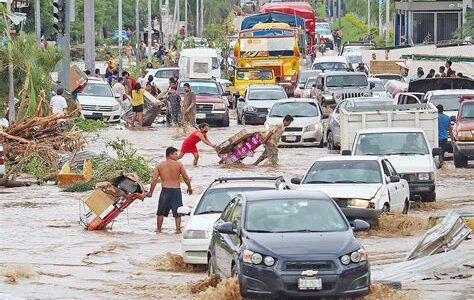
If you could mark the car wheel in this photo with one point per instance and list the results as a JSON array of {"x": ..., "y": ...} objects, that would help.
[
  {"x": 235, "y": 275},
  {"x": 331, "y": 145},
  {"x": 406, "y": 207},
  {"x": 238, "y": 118},
  {"x": 321, "y": 143},
  {"x": 226, "y": 121},
  {"x": 429, "y": 197},
  {"x": 460, "y": 161},
  {"x": 386, "y": 208},
  {"x": 211, "y": 269}
]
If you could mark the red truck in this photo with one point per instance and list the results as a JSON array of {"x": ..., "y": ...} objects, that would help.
[
  {"x": 300, "y": 9},
  {"x": 463, "y": 133}
]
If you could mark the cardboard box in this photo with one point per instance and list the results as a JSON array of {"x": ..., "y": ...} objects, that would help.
[
  {"x": 77, "y": 78},
  {"x": 98, "y": 201},
  {"x": 228, "y": 144}
]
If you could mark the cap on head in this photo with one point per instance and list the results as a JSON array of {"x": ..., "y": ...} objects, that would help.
[{"x": 59, "y": 91}]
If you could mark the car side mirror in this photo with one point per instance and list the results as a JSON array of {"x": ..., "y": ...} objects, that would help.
[
  {"x": 184, "y": 211},
  {"x": 296, "y": 180},
  {"x": 241, "y": 99},
  {"x": 360, "y": 225},
  {"x": 394, "y": 178},
  {"x": 226, "y": 228},
  {"x": 372, "y": 85},
  {"x": 436, "y": 151},
  {"x": 346, "y": 152},
  {"x": 226, "y": 94}
]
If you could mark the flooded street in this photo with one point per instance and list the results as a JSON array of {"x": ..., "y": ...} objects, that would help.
[{"x": 46, "y": 254}]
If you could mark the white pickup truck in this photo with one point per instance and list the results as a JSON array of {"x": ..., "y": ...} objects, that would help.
[{"x": 409, "y": 149}]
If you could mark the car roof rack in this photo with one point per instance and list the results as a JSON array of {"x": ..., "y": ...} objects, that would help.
[{"x": 277, "y": 179}]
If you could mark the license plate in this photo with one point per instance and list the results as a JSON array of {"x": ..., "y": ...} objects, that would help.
[
  {"x": 97, "y": 115},
  {"x": 310, "y": 284},
  {"x": 200, "y": 116},
  {"x": 423, "y": 188},
  {"x": 291, "y": 138}
]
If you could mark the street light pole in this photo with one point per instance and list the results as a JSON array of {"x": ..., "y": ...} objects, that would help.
[
  {"x": 380, "y": 18},
  {"x": 149, "y": 30},
  {"x": 368, "y": 17},
  {"x": 120, "y": 35},
  {"x": 339, "y": 13},
  {"x": 201, "y": 26},
  {"x": 137, "y": 32},
  {"x": 387, "y": 21},
  {"x": 38, "y": 21},
  {"x": 186, "y": 18},
  {"x": 89, "y": 35},
  {"x": 197, "y": 18}
]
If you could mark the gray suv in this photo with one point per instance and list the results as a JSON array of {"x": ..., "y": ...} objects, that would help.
[{"x": 336, "y": 86}]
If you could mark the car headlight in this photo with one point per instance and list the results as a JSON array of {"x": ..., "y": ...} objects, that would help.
[
  {"x": 424, "y": 176},
  {"x": 115, "y": 107},
  {"x": 464, "y": 134},
  {"x": 288, "y": 78},
  {"x": 354, "y": 257},
  {"x": 250, "y": 108},
  {"x": 256, "y": 258},
  {"x": 359, "y": 203},
  {"x": 219, "y": 106},
  {"x": 311, "y": 127},
  {"x": 195, "y": 234}
]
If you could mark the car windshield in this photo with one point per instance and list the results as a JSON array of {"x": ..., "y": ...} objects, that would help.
[
  {"x": 467, "y": 111},
  {"x": 215, "y": 200},
  {"x": 293, "y": 215},
  {"x": 305, "y": 75},
  {"x": 354, "y": 59},
  {"x": 167, "y": 73},
  {"x": 344, "y": 171},
  {"x": 249, "y": 74},
  {"x": 295, "y": 109},
  {"x": 310, "y": 83},
  {"x": 378, "y": 86},
  {"x": 346, "y": 80},
  {"x": 391, "y": 143},
  {"x": 200, "y": 88},
  {"x": 97, "y": 90},
  {"x": 330, "y": 66},
  {"x": 266, "y": 94},
  {"x": 449, "y": 102}
]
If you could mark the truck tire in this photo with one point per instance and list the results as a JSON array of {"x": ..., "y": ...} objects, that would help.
[
  {"x": 226, "y": 121},
  {"x": 460, "y": 161},
  {"x": 371, "y": 216},
  {"x": 406, "y": 207},
  {"x": 428, "y": 197}
]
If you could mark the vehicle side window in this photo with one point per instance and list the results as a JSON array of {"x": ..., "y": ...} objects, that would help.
[
  {"x": 228, "y": 209},
  {"x": 386, "y": 171},
  {"x": 391, "y": 168},
  {"x": 235, "y": 216}
]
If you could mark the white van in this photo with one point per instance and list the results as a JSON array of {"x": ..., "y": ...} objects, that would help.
[{"x": 189, "y": 57}]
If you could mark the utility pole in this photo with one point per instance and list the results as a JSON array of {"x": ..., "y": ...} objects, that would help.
[
  {"x": 368, "y": 17},
  {"x": 137, "y": 32},
  {"x": 149, "y": 30},
  {"x": 89, "y": 35},
  {"x": 11, "y": 89},
  {"x": 197, "y": 18},
  {"x": 120, "y": 38},
  {"x": 380, "y": 18},
  {"x": 387, "y": 22},
  {"x": 339, "y": 12},
  {"x": 38, "y": 21},
  {"x": 201, "y": 26},
  {"x": 186, "y": 18}
]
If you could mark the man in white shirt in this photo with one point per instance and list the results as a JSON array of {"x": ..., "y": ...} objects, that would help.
[
  {"x": 119, "y": 89},
  {"x": 58, "y": 103},
  {"x": 143, "y": 79}
]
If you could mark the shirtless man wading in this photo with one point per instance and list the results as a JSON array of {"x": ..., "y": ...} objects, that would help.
[{"x": 170, "y": 197}]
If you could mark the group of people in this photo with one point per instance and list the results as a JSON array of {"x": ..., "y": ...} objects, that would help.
[
  {"x": 443, "y": 71},
  {"x": 171, "y": 170}
]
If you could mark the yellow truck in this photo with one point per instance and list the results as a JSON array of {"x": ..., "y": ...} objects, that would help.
[
  {"x": 271, "y": 47},
  {"x": 243, "y": 77}
]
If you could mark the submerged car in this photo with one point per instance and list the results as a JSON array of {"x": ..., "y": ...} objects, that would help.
[
  {"x": 198, "y": 229},
  {"x": 289, "y": 244},
  {"x": 307, "y": 127}
]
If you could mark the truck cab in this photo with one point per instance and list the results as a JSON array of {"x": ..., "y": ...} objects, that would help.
[
  {"x": 408, "y": 150},
  {"x": 463, "y": 133}
]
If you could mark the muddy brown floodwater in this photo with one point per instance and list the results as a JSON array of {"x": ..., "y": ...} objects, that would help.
[{"x": 45, "y": 254}]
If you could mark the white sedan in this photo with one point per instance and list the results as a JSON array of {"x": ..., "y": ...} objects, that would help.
[
  {"x": 307, "y": 127},
  {"x": 98, "y": 101},
  {"x": 358, "y": 181},
  {"x": 162, "y": 76}
]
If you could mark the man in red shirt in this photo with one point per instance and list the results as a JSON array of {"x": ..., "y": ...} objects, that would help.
[
  {"x": 131, "y": 81},
  {"x": 189, "y": 144}
]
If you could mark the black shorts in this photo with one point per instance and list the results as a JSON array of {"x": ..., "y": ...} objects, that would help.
[
  {"x": 138, "y": 108},
  {"x": 170, "y": 199}
]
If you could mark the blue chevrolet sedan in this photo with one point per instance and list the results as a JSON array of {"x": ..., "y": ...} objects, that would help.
[{"x": 289, "y": 244}]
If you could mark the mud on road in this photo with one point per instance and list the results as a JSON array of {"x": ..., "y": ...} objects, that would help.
[{"x": 45, "y": 254}]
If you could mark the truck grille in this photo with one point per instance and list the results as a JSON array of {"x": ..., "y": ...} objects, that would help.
[
  {"x": 312, "y": 265},
  {"x": 408, "y": 177},
  {"x": 341, "y": 202},
  {"x": 204, "y": 107},
  {"x": 96, "y": 108},
  {"x": 351, "y": 95}
]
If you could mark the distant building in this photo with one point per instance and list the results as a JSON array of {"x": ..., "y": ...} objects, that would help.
[{"x": 426, "y": 21}]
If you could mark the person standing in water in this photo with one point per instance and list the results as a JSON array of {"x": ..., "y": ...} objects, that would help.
[{"x": 189, "y": 144}]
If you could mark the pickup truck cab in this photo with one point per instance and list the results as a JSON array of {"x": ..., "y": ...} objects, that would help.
[
  {"x": 211, "y": 106},
  {"x": 336, "y": 86},
  {"x": 408, "y": 150},
  {"x": 463, "y": 133}
]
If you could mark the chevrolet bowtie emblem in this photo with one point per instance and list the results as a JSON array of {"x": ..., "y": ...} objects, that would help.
[{"x": 309, "y": 272}]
